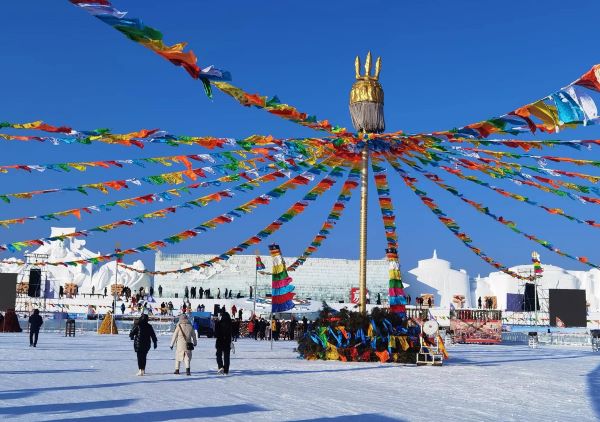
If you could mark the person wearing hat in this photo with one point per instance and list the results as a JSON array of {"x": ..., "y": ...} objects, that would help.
[
  {"x": 184, "y": 338},
  {"x": 141, "y": 334}
]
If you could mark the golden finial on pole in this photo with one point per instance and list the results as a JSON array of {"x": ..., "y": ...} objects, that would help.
[
  {"x": 368, "y": 65},
  {"x": 377, "y": 68},
  {"x": 366, "y": 98},
  {"x": 366, "y": 110}
]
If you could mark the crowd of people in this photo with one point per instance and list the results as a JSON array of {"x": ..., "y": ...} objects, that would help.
[
  {"x": 261, "y": 329},
  {"x": 201, "y": 293}
]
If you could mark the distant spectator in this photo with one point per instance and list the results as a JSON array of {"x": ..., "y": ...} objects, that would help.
[{"x": 35, "y": 323}]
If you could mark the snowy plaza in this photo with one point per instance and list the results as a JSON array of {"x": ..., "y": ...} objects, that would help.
[
  {"x": 300, "y": 211},
  {"x": 92, "y": 378}
]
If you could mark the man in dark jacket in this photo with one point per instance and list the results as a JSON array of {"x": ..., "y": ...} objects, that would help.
[
  {"x": 141, "y": 334},
  {"x": 223, "y": 332},
  {"x": 35, "y": 322}
]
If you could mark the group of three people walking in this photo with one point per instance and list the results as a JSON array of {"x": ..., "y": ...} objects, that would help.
[{"x": 183, "y": 341}]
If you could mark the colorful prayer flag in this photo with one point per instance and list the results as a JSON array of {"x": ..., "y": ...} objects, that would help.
[
  {"x": 259, "y": 264},
  {"x": 282, "y": 289}
]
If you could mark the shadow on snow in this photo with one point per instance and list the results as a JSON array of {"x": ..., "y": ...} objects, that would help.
[
  {"x": 354, "y": 418},
  {"x": 175, "y": 414},
  {"x": 593, "y": 381},
  {"x": 64, "y": 407}
]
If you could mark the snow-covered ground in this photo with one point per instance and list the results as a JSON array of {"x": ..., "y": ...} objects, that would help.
[{"x": 91, "y": 378}]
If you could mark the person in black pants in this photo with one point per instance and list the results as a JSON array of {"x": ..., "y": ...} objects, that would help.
[
  {"x": 223, "y": 332},
  {"x": 141, "y": 334},
  {"x": 35, "y": 322}
]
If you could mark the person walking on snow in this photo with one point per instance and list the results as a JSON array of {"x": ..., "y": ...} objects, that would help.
[
  {"x": 35, "y": 323},
  {"x": 141, "y": 334},
  {"x": 223, "y": 332},
  {"x": 183, "y": 336}
]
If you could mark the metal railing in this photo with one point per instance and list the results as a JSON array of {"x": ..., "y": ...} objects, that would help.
[
  {"x": 555, "y": 339},
  {"x": 161, "y": 325}
]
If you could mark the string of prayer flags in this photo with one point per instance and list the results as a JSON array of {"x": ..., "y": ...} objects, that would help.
[
  {"x": 137, "y": 31},
  {"x": 172, "y": 178},
  {"x": 451, "y": 224},
  {"x": 504, "y": 221},
  {"x": 296, "y": 209},
  {"x": 167, "y": 161},
  {"x": 200, "y": 202},
  {"x": 151, "y": 38},
  {"x": 397, "y": 299},
  {"x": 335, "y": 214},
  {"x": 517, "y": 197},
  {"x": 167, "y": 195}
]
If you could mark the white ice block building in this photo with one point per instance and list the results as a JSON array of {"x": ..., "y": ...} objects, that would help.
[
  {"x": 318, "y": 279},
  {"x": 436, "y": 276},
  {"x": 84, "y": 276}
]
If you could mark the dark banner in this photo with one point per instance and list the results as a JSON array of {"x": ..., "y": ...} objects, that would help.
[
  {"x": 568, "y": 308},
  {"x": 8, "y": 291}
]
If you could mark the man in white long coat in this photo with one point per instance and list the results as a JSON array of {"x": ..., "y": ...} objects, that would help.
[{"x": 184, "y": 333}]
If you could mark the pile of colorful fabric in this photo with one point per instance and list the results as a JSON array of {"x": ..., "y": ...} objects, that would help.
[{"x": 381, "y": 336}]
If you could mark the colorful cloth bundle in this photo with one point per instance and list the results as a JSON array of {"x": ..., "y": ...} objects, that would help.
[
  {"x": 537, "y": 265},
  {"x": 348, "y": 336},
  {"x": 396, "y": 288},
  {"x": 282, "y": 287}
]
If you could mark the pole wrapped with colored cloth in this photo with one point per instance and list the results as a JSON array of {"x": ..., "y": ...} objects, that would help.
[{"x": 282, "y": 289}]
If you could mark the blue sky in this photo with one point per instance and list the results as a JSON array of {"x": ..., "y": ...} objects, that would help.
[{"x": 445, "y": 64}]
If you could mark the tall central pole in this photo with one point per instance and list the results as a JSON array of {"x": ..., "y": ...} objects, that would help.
[
  {"x": 366, "y": 110},
  {"x": 364, "y": 195}
]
